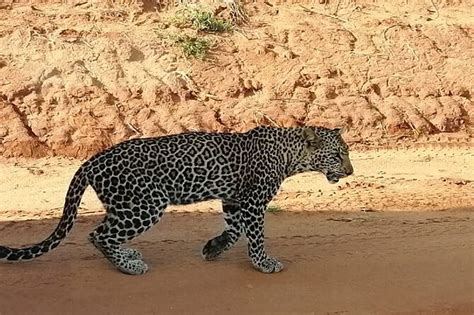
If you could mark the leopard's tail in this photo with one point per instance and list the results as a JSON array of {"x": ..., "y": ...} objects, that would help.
[{"x": 74, "y": 194}]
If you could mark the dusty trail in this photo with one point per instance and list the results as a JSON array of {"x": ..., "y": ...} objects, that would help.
[{"x": 336, "y": 263}]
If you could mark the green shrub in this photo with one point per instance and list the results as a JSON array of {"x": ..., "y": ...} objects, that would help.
[
  {"x": 193, "y": 46},
  {"x": 201, "y": 20}
]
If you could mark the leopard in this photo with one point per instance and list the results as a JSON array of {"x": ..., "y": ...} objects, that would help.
[{"x": 137, "y": 179}]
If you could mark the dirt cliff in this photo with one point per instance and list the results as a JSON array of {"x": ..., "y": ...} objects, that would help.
[{"x": 76, "y": 77}]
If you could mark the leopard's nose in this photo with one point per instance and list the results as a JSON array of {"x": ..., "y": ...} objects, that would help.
[{"x": 349, "y": 170}]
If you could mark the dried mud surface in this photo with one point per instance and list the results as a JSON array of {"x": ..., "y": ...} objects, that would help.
[{"x": 76, "y": 77}]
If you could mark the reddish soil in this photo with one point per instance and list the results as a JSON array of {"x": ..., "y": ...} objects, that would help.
[
  {"x": 336, "y": 263},
  {"x": 77, "y": 77},
  {"x": 395, "y": 238}
]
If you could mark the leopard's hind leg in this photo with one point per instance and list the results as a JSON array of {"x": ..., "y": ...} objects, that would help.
[{"x": 122, "y": 224}]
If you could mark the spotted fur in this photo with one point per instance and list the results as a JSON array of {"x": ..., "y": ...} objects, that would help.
[{"x": 137, "y": 179}]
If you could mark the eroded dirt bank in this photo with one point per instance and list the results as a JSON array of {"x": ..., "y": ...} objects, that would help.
[{"x": 79, "y": 76}]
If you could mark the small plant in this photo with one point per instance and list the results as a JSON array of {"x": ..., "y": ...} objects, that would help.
[
  {"x": 193, "y": 46},
  {"x": 238, "y": 14},
  {"x": 273, "y": 209},
  {"x": 201, "y": 20},
  {"x": 207, "y": 22}
]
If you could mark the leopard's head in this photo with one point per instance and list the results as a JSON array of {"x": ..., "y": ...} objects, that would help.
[{"x": 326, "y": 152}]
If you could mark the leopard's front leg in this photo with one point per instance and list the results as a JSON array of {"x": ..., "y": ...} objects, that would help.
[{"x": 253, "y": 222}]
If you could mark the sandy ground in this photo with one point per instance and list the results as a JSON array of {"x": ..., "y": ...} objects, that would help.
[
  {"x": 344, "y": 252},
  {"x": 336, "y": 263},
  {"x": 395, "y": 238},
  {"x": 422, "y": 179}
]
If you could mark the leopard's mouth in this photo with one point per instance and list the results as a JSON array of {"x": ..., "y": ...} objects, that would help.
[{"x": 333, "y": 178}]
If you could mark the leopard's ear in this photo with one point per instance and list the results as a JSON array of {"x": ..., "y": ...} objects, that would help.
[
  {"x": 341, "y": 130},
  {"x": 311, "y": 138}
]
